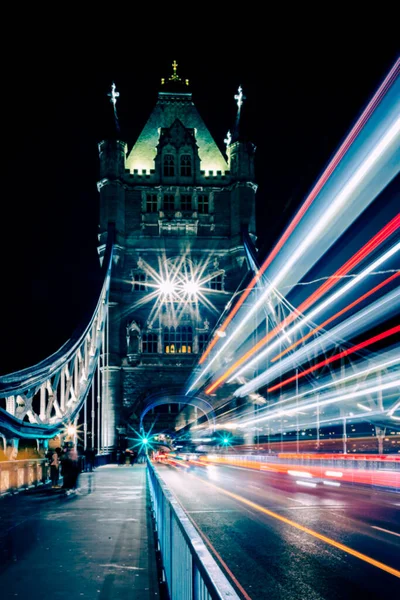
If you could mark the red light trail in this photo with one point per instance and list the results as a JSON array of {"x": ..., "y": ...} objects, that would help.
[
  {"x": 376, "y": 99},
  {"x": 327, "y": 361},
  {"x": 336, "y": 315},
  {"x": 371, "y": 245}
]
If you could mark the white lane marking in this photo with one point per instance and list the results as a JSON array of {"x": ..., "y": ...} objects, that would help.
[
  {"x": 123, "y": 567},
  {"x": 294, "y": 500},
  {"x": 191, "y": 512},
  {"x": 117, "y": 519},
  {"x": 331, "y": 508},
  {"x": 385, "y": 530}
]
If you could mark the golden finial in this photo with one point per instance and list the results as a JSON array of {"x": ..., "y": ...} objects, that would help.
[{"x": 174, "y": 76}]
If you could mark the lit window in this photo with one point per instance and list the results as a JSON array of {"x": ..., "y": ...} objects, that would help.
[
  {"x": 216, "y": 282},
  {"x": 186, "y": 202},
  {"x": 202, "y": 204},
  {"x": 203, "y": 338},
  {"x": 151, "y": 203},
  {"x": 169, "y": 202},
  {"x": 139, "y": 282},
  {"x": 178, "y": 340},
  {"x": 169, "y": 165},
  {"x": 186, "y": 165},
  {"x": 149, "y": 343}
]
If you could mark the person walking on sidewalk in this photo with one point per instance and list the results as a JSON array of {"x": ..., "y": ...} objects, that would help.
[{"x": 54, "y": 469}]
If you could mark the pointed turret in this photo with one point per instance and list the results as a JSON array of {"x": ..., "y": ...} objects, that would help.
[
  {"x": 112, "y": 154},
  {"x": 241, "y": 163}
]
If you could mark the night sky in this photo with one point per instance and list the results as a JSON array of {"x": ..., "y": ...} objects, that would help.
[{"x": 300, "y": 104}]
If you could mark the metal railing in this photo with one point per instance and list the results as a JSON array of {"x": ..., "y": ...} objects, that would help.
[
  {"x": 190, "y": 571},
  {"x": 52, "y": 393}
]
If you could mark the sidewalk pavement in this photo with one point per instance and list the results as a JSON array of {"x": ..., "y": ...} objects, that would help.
[{"x": 97, "y": 544}]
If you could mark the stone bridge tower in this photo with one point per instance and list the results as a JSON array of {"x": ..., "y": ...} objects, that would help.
[{"x": 178, "y": 205}]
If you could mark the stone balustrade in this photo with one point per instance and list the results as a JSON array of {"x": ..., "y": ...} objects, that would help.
[{"x": 18, "y": 475}]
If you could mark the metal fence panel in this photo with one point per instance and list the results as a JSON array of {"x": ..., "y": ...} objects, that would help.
[{"x": 191, "y": 573}]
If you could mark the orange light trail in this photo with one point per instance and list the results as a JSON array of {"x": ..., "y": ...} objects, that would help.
[
  {"x": 371, "y": 245},
  {"x": 386, "y": 84},
  {"x": 311, "y": 532},
  {"x": 335, "y": 316},
  {"x": 376, "y": 338}
]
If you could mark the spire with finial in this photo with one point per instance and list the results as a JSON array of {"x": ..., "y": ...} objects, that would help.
[
  {"x": 114, "y": 95},
  {"x": 175, "y": 77},
  {"x": 239, "y": 97}
]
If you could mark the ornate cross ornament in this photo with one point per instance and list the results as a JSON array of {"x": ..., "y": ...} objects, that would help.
[
  {"x": 174, "y": 76},
  {"x": 240, "y": 97},
  {"x": 113, "y": 95}
]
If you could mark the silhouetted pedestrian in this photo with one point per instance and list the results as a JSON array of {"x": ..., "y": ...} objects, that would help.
[{"x": 54, "y": 469}]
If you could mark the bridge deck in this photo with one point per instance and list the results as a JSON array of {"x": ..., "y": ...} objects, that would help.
[{"x": 95, "y": 544}]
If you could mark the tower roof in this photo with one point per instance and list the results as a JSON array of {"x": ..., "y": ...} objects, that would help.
[{"x": 175, "y": 102}]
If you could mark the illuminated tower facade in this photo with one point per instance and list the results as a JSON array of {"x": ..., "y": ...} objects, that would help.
[{"x": 179, "y": 205}]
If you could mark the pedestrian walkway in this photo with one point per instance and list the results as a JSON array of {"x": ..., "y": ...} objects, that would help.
[{"x": 97, "y": 544}]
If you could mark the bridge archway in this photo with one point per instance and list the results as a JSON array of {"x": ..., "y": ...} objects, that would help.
[{"x": 160, "y": 399}]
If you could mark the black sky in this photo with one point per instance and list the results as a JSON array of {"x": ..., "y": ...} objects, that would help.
[{"x": 301, "y": 102}]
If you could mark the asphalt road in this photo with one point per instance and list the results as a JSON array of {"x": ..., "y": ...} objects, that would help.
[{"x": 282, "y": 540}]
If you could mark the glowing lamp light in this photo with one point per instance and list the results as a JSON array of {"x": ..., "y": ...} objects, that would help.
[
  {"x": 145, "y": 441},
  {"x": 191, "y": 287},
  {"x": 166, "y": 287},
  {"x": 71, "y": 430}
]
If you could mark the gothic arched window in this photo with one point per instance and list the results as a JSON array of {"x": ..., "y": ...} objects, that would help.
[
  {"x": 150, "y": 343},
  {"x": 216, "y": 283},
  {"x": 186, "y": 165},
  {"x": 139, "y": 282},
  {"x": 203, "y": 339},
  {"x": 169, "y": 165},
  {"x": 186, "y": 202},
  {"x": 178, "y": 340},
  {"x": 203, "y": 204},
  {"x": 169, "y": 202}
]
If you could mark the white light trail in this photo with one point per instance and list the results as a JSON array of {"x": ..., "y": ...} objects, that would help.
[
  {"x": 361, "y": 373},
  {"x": 332, "y": 483},
  {"x": 343, "y": 290},
  {"x": 327, "y": 216},
  {"x": 364, "y": 407},
  {"x": 360, "y": 321},
  {"x": 334, "y": 473},
  {"x": 350, "y": 396},
  {"x": 307, "y": 483},
  {"x": 300, "y": 474}
]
